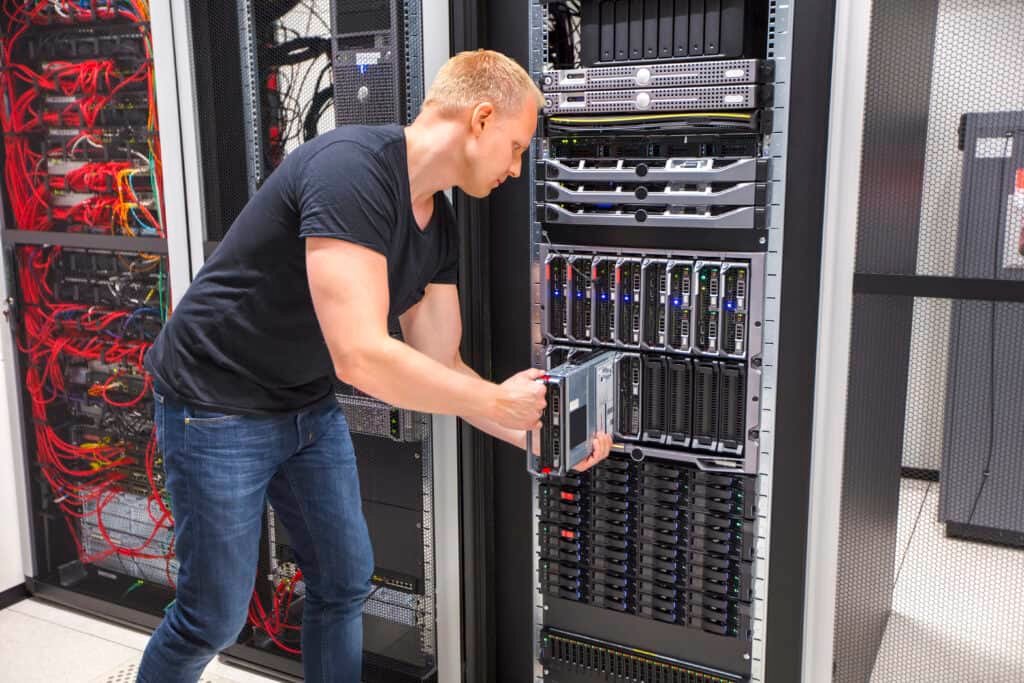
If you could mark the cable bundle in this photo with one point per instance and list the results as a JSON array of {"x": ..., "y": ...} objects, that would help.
[
  {"x": 85, "y": 477},
  {"x": 78, "y": 95},
  {"x": 275, "y": 624},
  {"x": 82, "y": 154}
]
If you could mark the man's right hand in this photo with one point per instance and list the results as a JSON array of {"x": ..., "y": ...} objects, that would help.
[{"x": 520, "y": 401}]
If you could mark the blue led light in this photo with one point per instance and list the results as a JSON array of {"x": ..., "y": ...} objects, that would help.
[
  {"x": 730, "y": 304},
  {"x": 625, "y": 297},
  {"x": 555, "y": 292},
  {"x": 579, "y": 295},
  {"x": 362, "y": 68},
  {"x": 603, "y": 296},
  {"x": 677, "y": 302}
]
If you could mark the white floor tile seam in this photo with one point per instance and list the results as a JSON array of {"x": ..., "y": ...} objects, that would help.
[{"x": 90, "y": 633}]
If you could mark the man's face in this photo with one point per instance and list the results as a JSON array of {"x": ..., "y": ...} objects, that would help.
[{"x": 496, "y": 146}]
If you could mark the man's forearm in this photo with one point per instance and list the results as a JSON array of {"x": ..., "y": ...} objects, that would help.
[
  {"x": 516, "y": 437},
  {"x": 402, "y": 376}
]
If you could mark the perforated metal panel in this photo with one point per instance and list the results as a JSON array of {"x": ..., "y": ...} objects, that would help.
[
  {"x": 929, "y": 359},
  {"x": 264, "y": 86},
  {"x": 976, "y": 68},
  {"x": 929, "y": 567},
  {"x": 932, "y": 62}
]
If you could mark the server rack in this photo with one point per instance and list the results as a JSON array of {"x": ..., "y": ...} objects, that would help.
[
  {"x": 626, "y": 226},
  {"x": 371, "y": 59},
  {"x": 95, "y": 254},
  {"x": 656, "y": 550},
  {"x": 977, "y": 499}
]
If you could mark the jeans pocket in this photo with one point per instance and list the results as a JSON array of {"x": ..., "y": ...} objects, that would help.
[{"x": 194, "y": 415}]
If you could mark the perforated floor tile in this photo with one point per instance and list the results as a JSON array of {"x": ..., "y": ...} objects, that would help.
[{"x": 126, "y": 671}]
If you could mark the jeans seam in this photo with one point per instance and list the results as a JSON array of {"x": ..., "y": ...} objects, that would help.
[
  {"x": 196, "y": 532},
  {"x": 316, "y": 557}
]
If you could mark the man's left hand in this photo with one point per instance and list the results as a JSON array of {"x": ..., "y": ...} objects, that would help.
[{"x": 602, "y": 445}]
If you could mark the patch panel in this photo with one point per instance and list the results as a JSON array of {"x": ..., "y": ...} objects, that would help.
[{"x": 73, "y": 43}]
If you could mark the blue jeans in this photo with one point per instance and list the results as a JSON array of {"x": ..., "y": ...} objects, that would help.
[{"x": 220, "y": 471}]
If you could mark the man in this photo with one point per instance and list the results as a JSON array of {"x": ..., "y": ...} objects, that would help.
[{"x": 351, "y": 229}]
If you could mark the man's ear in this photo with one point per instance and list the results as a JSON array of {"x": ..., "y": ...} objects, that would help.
[{"x": 483, "y": 114}]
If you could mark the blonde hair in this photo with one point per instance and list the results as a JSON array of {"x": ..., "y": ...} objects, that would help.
[{"x": 469, "y": 78}]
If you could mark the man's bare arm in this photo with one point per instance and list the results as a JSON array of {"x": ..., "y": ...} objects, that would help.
[
  {"x": 434, "y": 326},
  {"x": 349, "y": 287}
]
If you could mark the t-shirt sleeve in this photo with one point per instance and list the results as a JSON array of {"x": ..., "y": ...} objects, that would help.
[
  {"x": 448, "y": 274},
  {"x": 344, "y": 191}
]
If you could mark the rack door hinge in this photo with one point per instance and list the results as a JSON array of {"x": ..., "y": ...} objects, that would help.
[{"x": 8, "y": 311}]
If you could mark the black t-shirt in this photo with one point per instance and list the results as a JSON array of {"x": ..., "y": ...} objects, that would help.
[{"x": 245, "y": 338}]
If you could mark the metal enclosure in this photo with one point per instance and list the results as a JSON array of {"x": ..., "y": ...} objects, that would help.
[
  {"x": 922, "y": 236},
  {"x": 84, "y": 459},
  {"x": 788, "y": 235}
]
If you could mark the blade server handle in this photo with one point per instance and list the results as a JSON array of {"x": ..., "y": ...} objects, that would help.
[{"x": 533, "y": 459}]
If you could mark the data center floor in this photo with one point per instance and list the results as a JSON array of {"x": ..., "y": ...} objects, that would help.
[
  {"x": 42, "y": 643},
  {"x": 954, "y": 618},
  {"x": 958, "y": 606}
]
